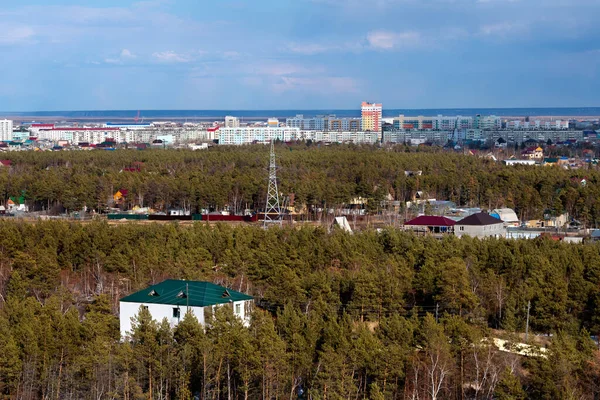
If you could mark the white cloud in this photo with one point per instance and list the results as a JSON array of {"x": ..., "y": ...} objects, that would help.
[
  {"x": 125, "y": 53},
  {"x": 387, "y": 40},
  {"x": 308, "y": 48},
  {"x": 317, "y": 84},
  {"x": 171, "y": 56},
  {"x": 502, "y": 29},
  {"x": 16, "y": 35}
]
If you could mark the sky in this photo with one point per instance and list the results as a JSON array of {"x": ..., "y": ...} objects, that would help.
[{"x": 298, "y": 54}]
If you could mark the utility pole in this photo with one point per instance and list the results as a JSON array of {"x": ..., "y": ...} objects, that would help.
[
  {"x": 527, "y": 323},
  {"x": 272, "y": 206}
]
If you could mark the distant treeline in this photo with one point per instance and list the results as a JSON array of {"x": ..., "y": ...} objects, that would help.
[
  {"x": 317, "y": 176},
  {"x": 341, "y": 316}
]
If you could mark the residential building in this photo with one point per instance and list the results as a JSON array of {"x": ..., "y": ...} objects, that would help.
[
  {"x": 6, "y": 130},
  {"x": 340, "y": 137},
  {"x": 416, "y": 137},
  {"x": 430, "y": 224},
  {"x": 413, "y": 123},
  {"x": 272, "y": 122},
  {"x": 439, "y": 122},
  {"x": 480, "y": 225},
  {"x": 533, "y": 153},
  {"x": 371, "y": 116},
  {"x": 487, "y": 122},
  {"x": 77, "y": 135},
  {"x": 345, "y": 124},
  {"x": 257, "y": 134},
  {"x": 172, "y": 299},
  {"x": 232, "y": 122},
  {"x": 318, "y": 123}
]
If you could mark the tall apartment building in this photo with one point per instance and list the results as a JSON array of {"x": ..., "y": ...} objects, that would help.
[
  {"x": 346, "y": 125},
  {"x": 371, "y": 116},
  {"x": 487, "y": 122},
  {"x": 6, "y": 130},
  {"x": 261, "y": 134},
  {"x": 318, "y": 123},
  {"x": 440, "y": 123},
  {"x": 232, "y": 122}
]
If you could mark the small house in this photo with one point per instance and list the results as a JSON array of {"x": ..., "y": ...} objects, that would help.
[
  {"x": 431, "y": 224},
  {"x": 172, "y": 299},
  {"x": 480, "y": 225}
]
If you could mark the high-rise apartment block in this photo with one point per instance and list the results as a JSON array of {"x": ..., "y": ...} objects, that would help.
[
  {"x": 6, "y": 130},
  {"x": 232, "y": 122},
  {"x": 371, "y": 116},
  {"x": 436, "y": 123},
  {"x": 324, "y": 123}
]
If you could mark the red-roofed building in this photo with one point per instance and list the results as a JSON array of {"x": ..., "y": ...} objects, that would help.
[{"x": 431, "y": 223}]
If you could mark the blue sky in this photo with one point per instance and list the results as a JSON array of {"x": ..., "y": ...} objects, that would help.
[{"x": 263, "y": 54}]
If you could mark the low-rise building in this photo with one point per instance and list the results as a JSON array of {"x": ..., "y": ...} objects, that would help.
[
  {"x": 171, "y": 299},
  {"x": 430, "y": 224},
  {"x": 480, "y": 225},
  {"x": 507, "y": 215}
]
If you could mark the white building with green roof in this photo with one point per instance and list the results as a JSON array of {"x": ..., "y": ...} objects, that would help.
[{"x": 171, "y": 299}]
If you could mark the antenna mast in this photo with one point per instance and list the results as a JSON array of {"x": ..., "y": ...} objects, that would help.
[{"x": 272, "y": 206}]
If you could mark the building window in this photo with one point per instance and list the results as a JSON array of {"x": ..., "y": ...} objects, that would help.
[
  {"x": 238, "y": 309},
  {"x": 176, "y": 312}
]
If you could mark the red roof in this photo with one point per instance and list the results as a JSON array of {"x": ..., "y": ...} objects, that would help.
[
  {"x": 6, "y": 163},
  {"x": 216, "y": 128},
  {"x": 82, "y": 129},
  {"x": 431, "y": 220}
]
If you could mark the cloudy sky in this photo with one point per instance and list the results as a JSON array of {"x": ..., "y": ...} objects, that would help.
[{"x": 284, "y": 54}]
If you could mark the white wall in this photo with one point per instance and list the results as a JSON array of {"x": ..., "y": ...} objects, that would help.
[
  {"x": 6, "y": 129},
  {"x": 495, "y": 230},
  {"x": 128, "y": 310}
]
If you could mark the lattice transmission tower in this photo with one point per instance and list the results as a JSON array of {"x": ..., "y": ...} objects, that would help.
[{"x": 272, "y": 208}]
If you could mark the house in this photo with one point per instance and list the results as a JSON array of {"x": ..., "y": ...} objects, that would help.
[
  {"x": 480, "y": 225},
  {"x": 172, "y": 298},
  {"x": 430, "y": 224},
  {"x": 507, "y": 215},
  {"x": 533, "y": 153}
]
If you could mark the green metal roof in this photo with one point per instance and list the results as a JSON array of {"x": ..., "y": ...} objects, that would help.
[{"x": 186, "y": 293}]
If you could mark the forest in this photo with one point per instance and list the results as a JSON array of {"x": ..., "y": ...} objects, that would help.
[
  {"x": 373, "y": 315},
  {"x": 317, "y": 175}
]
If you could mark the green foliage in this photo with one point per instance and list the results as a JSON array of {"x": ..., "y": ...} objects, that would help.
[
  {"x": 340, "y": 314},
  {"x": 317, "y": 175}
]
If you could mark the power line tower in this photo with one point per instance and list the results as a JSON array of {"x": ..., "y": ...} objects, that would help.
[{"x": 272, "y": 206}]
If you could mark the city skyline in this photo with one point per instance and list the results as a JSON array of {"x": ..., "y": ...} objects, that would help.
[{"x": 319, "y": 54}]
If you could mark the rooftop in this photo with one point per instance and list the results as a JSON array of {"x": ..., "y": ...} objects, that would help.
[
  {"x": 186, "y": 293},
  {"x": 431, "y": 220},
  {"x": 479, "y": 219}
]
